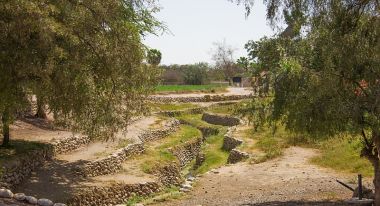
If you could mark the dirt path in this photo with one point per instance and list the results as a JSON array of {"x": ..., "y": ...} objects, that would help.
[
  {"x": 289, "y": 178},
  {"x": 230, "y": 91}
]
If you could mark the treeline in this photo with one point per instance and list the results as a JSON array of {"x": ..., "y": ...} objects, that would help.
[{"x": 196, "y": 74}]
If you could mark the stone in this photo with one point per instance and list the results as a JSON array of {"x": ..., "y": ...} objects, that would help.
[
  {"x": 187, "y": 186},
  {"x": 59, "y": 204},
  {"x": 19, "y": 196},
  {"x": 191, "y": 179},
  {"x": 6, "y": 193},
  {"x": 184, "y": 190},
  {"x": 31, "y": 200}
]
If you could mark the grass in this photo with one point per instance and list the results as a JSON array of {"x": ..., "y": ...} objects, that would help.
[
  {"x": 270, "y": 144},
  {"x": 209, "y": 88},
  {"x": 160, "y": 154},
  {"x": 215, "y": 156},
  {"x": 226, "y": 109},
  {"x": 168, "y": 193},
  {"x": 196, "y": 120},
  {"x": 342, "y": 153},
  {"x": 171, "y": 107}
]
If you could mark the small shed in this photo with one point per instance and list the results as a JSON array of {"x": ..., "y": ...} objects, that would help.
[{"x": 237, "y": 81}]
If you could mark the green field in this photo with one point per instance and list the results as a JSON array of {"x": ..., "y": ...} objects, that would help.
[{"x": 209, "y": 88}]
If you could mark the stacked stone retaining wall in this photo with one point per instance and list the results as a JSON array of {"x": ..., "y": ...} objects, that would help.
[
  {"x": 113, "y": 194},
  {"x": 112, "y": 163},
  {"x": 220, "y": 119},
  {"x": 187, "y": 152}
]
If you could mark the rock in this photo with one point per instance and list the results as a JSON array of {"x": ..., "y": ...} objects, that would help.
[
  {"x": 19, "y": 196},
  {"x": 191, "y": 179},
  {"x": 31, "y": 200},
  {"x": 6, "y": 193},
  {"x": 59, "y": 204},
  {"x": 186, "y": 186},
  {"x": 45, "y": 202},
  {"x": 184, "y": 190}
]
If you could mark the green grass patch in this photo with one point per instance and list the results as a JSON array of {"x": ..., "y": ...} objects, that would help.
[
  {"x": 227, "y": 109},
  {"x": 215, "y": 156},
  {"x": 196, "y": 120},
  {"x": 209, "y": 88},
  {"x": 342, "y": 153},
  {"x": 158, "y": 152},
  {"x": 170, "y": 106}
]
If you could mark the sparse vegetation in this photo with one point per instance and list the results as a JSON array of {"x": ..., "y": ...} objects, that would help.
[{"x": 168, "y": 193}]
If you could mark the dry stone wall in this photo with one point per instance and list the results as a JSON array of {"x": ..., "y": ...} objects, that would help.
[
  {"x": 206, "y": 98},
  {"x": 229, "y": 142},
  {"x": 220, "y": 119},
  {"x": 237, "y": 156},
  {"x": 69, "y": 144},
  {"x": 182, "y": 112},
  {"x": 169, "y": 174},
  {"x": 112, "y": 163},
  {"x": 187, "y": 152},
  {"x": 156, "y": 134},
  {"x": 112, "y": 194}
]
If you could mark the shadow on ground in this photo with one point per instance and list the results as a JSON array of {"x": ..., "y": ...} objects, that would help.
[
  {"x": 56, "y": 180},
  {"x": 299, "y": 203}
]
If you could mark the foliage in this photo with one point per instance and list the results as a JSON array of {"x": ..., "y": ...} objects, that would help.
[
  {"x": 196, "y": 74},
  {"x": 84, "y": 58},
  {"x": 191, "y": 74},
  {"x": 326, "y": 74},
  {"x": 154, "y": 57}
]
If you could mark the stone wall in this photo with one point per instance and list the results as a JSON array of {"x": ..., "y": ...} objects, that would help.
[
  {"x": 229, "y": 142},
  {"x": 69, "y": 144},
  {"x": 169, "y": 174},
  {"x": 175, "y": 113},
  {"x": 206, "y": 131},
  {"x": 112, "y": 163},
  {"x": 220, "y": 119},
  {"x": 187, "y": 152},
  {"x": 15, "y": 171},
  {"x": 205, "y": 98},
  {"x": 237, "y": 156},
  {"x": 156, "y": 134},
  {"x": 113, "y": 194}
]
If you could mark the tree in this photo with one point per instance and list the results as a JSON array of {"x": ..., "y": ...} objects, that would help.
[
  {"x": 84, "y": 57},
  {"x": 224, "y": 60},
  {"x": 326, "y": 79},
  {"x": 196, "y": 74},
  {"x": 154, "y": 57}
]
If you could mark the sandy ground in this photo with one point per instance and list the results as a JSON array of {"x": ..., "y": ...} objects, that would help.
[
  {"x": 289, "y": 180},
  {"x": 230, "y": 91}
]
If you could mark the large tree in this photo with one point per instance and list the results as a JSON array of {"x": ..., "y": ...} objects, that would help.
[
  {"x": 84, "y": 57},
  {"x": 325, "y": 70},
  {"x": 223, "y": 56}
]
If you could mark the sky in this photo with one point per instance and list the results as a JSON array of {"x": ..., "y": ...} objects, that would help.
[{"x": 196, "y": 24}]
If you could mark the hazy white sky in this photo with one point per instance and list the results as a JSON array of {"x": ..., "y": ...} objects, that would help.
[{"x": 196, "y": 24}]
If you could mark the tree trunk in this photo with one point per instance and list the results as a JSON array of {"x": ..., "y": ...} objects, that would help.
[
  {"x": 376, "y": 182},
  {"x": 375, "y": 160},
  {"x": 5, "y": 118},
  {"x": 40, "y": 109}
]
